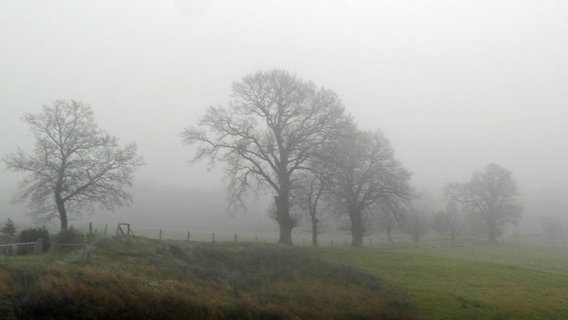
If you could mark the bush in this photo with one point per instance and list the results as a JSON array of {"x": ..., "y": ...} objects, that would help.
[
  {"x": 32, "y": 234},
  {"x": 68, "y": 237}
]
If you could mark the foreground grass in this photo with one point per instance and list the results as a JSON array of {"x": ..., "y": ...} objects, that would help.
[
  {"x": 475, "y": 282},
  {"x": 144, "y": 279}
]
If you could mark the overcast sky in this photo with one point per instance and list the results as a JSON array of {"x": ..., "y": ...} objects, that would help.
[{"x": 454, "y": 85}]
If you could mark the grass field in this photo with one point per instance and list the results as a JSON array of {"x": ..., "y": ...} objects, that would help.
[
  {"x": 151, "y": 279},
  {"x": 501, "y": 281}
]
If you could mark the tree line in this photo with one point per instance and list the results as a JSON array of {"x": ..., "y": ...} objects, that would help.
[{"x": 278, "y": 133}]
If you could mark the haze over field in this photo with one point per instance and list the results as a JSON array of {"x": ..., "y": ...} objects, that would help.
[{"x": 453, "y": 85}]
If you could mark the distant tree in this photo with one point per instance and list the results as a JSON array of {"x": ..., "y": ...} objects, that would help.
[
  {"x": 267, "y": 134},
  {"x": 387, "y": 215},
  {"x": 552, "y": 227},
  {"x": 361, "y": 170},
  {"x": 454, "y": 220},
  {"x": 74, "y": 165},
  {"x": 9, "y": 228},
  {"x": 415, "y": 224},
  {"x": 490, "y": 195},
  {"x": 440, "y": 223},
  {"x": 308, "y": 193}
]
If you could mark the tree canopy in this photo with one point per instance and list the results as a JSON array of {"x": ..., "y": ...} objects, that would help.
[
  {"x": 361, "y": 170},
  {"x": 274, "y": 124},
  {"x": 490, "y": 195},
  {"x": 74, "y": 164}
]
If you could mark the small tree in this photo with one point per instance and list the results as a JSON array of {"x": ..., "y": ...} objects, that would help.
[
  {"x": 490, "y": 195},
  {"x": 387, "y": 216},
  {"x": 415, "y": 224},
  {"x": 307, "y": 196},
  {"x": 552, "y": 227},
  {"x": 440, "y": 223},
  {"x": 74, "y": 164},
  {"x": 454, "y": 220},
  {"x": 9, "y": 228}
]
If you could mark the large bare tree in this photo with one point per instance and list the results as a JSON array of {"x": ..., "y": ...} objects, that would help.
[
  {"x": 362, "y": 170},
  {"x": 491, "y": 196},
  {"x": 267, "y": 133},
  {"x": 74, "y": 165}
]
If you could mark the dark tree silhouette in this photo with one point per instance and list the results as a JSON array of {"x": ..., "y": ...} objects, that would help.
[
  {"x": 9, "y": 228},
  {"x": 361, "y": 170},
  {"x": 74, "y": 164},
  {"x": 491, "y": 196},
  {"x": 308, "y": 193},
  {"x": 267, "y": 134}
]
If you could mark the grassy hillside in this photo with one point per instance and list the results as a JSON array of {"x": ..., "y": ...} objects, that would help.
[
  {"x": 473, "y": 282},
  {"x": 145, "y": 279}
]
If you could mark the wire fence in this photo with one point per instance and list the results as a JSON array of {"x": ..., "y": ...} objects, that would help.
[{"x": 330, "y": 239}]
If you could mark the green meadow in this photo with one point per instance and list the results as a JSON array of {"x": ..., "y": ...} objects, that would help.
[{"x": 501, "y": 281}]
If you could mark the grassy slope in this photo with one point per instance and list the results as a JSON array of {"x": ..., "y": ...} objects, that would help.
[
  {"x": 144, "y": 279},
  {"x": 474, "y": 282}
]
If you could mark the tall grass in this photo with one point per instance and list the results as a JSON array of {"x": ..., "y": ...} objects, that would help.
[{"x": 146, "y": 279}]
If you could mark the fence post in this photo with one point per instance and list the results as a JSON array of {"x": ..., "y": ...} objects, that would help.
[
  {"x": 188, "y": 234},
  {"x": 106, "y": 227},
  {"x": 236, "y": 240},
  {"x": 160, "y": 234},
  {"x": 90, "y": 228}
]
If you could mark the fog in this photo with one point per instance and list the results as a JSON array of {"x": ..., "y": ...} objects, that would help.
[{"x": 454, "y": 85}]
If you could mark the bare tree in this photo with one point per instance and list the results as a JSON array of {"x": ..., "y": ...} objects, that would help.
[
  {"x": 415, "y": 224},
  {"x": 267, "y": 134},
  {"x": 454, "y": 220},
  {"x": 361, "y": 171},
  {"x": 387, "y": 215},
  {"x": 307, "y": 196},
  {"x": 552, "y": 227},
  {"x": 74, "y": 164},
  {"x": 441, "y": 223},
  {"x": 490, "y": 195}
]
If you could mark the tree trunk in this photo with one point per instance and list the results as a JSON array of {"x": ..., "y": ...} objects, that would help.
[
  {"x": 314, "y": 231},
  {"x": 357, "y": 229},
  {"x": 492, "y": 229},
  {"x": 285, "y": 234},
  {"x": 284, "y": 219},
  {"x": 62, "y": 213}
]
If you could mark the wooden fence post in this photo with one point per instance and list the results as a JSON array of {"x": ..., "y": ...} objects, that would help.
[
  {"x": 160, "y": 234},
  {"x": 188, "y": 234}
]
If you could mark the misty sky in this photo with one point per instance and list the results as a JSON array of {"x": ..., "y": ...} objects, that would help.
[{"x": 454, "y": 85}]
